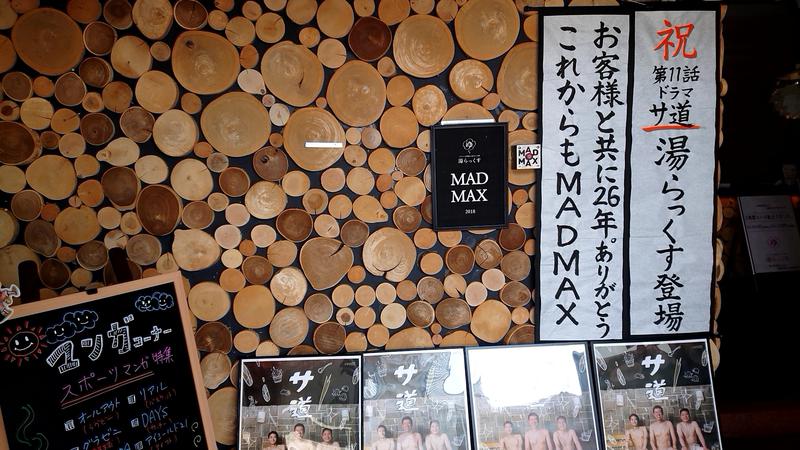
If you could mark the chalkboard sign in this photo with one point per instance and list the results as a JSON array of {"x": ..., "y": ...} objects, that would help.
[
  {"x": 470, "y": 174},
  {"x": 116, "y": 369}
]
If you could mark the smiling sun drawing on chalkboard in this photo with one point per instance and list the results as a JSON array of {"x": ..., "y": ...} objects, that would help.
[{"x": 22, "y": 343}]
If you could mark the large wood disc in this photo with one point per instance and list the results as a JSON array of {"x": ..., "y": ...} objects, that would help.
[
  {"x": 313, "y": 125},
  {"x": 254, "y": 307},
  {"x": 329, "y": 337},
  {"x": 159, "y": 209},
  {"x": 131, "y": 57},
  {"x": 409, "y": 338},
  {"x": 370, "y": 38},
  {"x": 236, "y": 124},
  {"x": 77, "y": 226},
  {"x": 204, "y": 63},
  {"x": 265, "y": 200},
  {"x": 40, "y": 177},
  {"x": 152, "y": 17},
  {"x": 194, "y": 250},
  {"x": 471, "y": 79},
  {"x": 48, "y": 40},
  {"x": 335, "y": 18},
  {"x": 423, "y": 46},
  {"x": 175, "y": 133},
  {"x": 357, "y": 94},
  {"x": 486, "y": 29},
  {"x": 491, "y": 321},
  {"x": 292, "y": 73},
  {"x": 390, "y": 253},
  {"x": 517, "y": 80},
  {"x": 289, "y": 327},
  {"x": 325, "y": 262},
  {"x": 20, "y": 145},
  {"x": 289, "y": 286},
  {"x": 453, "y": 313},
  {"x": 143, "y": 249}
]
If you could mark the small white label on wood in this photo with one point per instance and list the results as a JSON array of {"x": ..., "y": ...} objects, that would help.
[
  {"x": 529, "y": 156},
  {"x": 466, "y": 121},
  {"x": 324, "y": 144}
]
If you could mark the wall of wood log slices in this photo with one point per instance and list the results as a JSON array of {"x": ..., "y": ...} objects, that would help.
[{"x": 176, "y": 130}]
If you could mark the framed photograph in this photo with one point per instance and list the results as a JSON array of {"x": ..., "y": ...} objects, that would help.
[
  {"x": 416, "y": 400},
  {"x": 470, "y": 175},
  {"x": 308, "y": 403},
  {"x": 658, "y": 394},
  {"x": 532, "y": 397}
]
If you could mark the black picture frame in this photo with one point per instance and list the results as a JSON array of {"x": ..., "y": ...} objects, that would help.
[{"x": 443, "y": 158}]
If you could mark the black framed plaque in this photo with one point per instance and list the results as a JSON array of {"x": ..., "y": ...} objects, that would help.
[{"x": 470, "y": 175}]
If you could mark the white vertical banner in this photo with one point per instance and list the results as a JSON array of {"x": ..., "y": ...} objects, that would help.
[
  {"x": 582, "y": 183},
  {"x": 673, "y": 136}
]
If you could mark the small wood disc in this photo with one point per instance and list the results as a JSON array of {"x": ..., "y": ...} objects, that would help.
[
  {"x": 370, "y": 138},
  {"x": 228, "y": 236},
  {"x": 335, "y": 18},
  {"x": 143, "y": 249},
  {"x": 270, "y": 163},
  {"x": 393, "y": 11},
  {"x": 520, "y": 315},
  {"x": 213, "y": 337},
  {"x": 40, "y": 236},
  {"x": 493, "y": 279},
  {"x": 354, "y": 233},
  {"x": 129, "y": 223},
  {"x": 267, "y": 348},
  {"x": 357, "y": 94},
  {"x": 406, "y": 290},
  {"x": 370, "y": 38},
  {"x": 318, "y": 308},
  {"x": 159, "y": 209},
  {"x": 420, "y": 314},
  {"x": 152, "y": 17},
  {"x": 516, "y": 265},
  {"x": 190, "y": 14},
  {"x": 510, "y": 117},
  {"x": 455, "y": 285},
  {"x": 204, "y": 63},
  {"x": 39, "y": 175},
  {"x": 467, "y": 111},
  {"x": 517, "y": 78},
  {"x": 76, "y": 226},
  {"x": 429, "y": 105},
  {"x": 407, "y": 218},
  {"x": 246, "y": 341},
  {"x": 131, "y": 57},
  {"x": 340, "y": 207},
  {"x": 156, "y": 91},
  {"x": 329, "y": 336},
  {"x": 54, "y": 273},
  {"x": 378, "y": 335},
  {"x": 18, "y": 86},
  {"x": 92, "y": 255},
  {"x": 97, "y": 128},
  {"x": 294, "y": 224},
  {"x": 364, "y": 317},
  {"x": 411, "y": 161},
  {"x": 425, "y": 238},
  {"x": 325, "y": 262},
  {"x": 313, "y": 125},
  {"x": 487, "y": 29},
  {"x": 526, "y": 215},
  {"x": 292, "y": 73},
  {"x": 48, "y": 41},
  {"x": 512, "y": 237},
  {"x": 160, "y": 51},
  {"x": 118, "y": 14},
  {"x": 460, "y": 259},
  {"x": 423, "y": 46},
  {"x": 399, "y": 90},
  {"x": 289, "y": 286},
  {"x": 254, "y": 306},
  {"x": 471, "y": 79},
  {"x": 289, "y": 327},
  {"x": 117, "y": 98},
  {"x": 343, "y": 295},
  {"x": 431, "y": 263},
  {"x": 36, "y": 113},
  {"x": 256, "y": 269},
  {"x": 282, "y": 253},
  {"x": 191, "y": 179},
  {"x": 191, "y": 103},
  {"x": 240, "y": 31},
  {"x": 137, "y": 124},
  {"x": 315, "y": 201},
  {"x": 520, "y": 334},
  {"x": 19, "y": 145},
  {"x": 326, "y": 226},
  {"x": 399, "y": 126},
  {"x": 270, "y": 28},
  {"x": 393, "y": 316},
  {"x": 515, "y": 294},
  {"x": 234, "y": 181},
  {"x": 12, "y": 179},
  {"x": 476, "y": 293},
  {"x": 447, "y": 9},
  {"x": 491, "y": 321},
  {"x": 90, "y": 193},
  {"x": 194, "y": 249},
  {"x": 235, "y": 124},
  {"x": 301, "y": 11},
  {"x": 410, "y": 190},
  {"x": 453, "y": 313},
  {"x": 26, "y": 205},
  {"x": 151, "y": 169},
  {"x": 430, "y": 289}
]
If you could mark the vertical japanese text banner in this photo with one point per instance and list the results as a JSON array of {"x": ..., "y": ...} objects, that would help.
[
  {"x": 584, "y": 143},
  {"x": 672, "y": 165}
]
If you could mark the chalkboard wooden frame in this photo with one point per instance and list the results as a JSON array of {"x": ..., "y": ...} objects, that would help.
[{"x": 176, "y": 280}]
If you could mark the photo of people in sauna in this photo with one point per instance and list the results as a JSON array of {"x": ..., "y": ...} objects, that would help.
[
  {"x": 416, "y": 400},
  {"x": 657, "y": 396},
  {"x": 310, "y": 403},
  {"x": 532, "y": 398}
]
